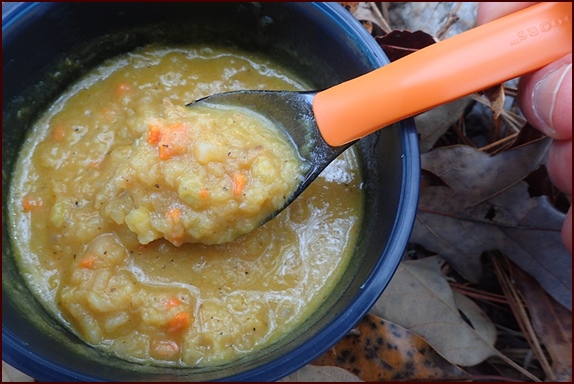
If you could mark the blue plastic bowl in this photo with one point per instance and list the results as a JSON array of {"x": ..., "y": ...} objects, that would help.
[{"x": 47, "y": 46}]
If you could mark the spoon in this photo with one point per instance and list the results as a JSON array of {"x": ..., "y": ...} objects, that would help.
[{"x": 322, "y": 124}]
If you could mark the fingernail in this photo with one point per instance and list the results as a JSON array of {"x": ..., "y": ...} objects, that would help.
[{"x": 544, "y": 98}]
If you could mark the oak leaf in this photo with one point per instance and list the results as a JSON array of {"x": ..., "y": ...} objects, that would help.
[
  {"x": 432, "y": 124},
  {"x": 477, "y": 203},
  {"x": 420, "y": 299},
  {"x": 378, "y": 350}
]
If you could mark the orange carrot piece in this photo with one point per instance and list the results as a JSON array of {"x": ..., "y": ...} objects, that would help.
[
  {"x": 94, "y": 164},
  {"x": 176, "y": 238},
  {"x": 153, "y": 134},
  {"x": 174, "y": 214},
  {"x": 59, "y": 132},
  {"x": 172, "y": 302},
  {"x": 179, "y": 322},
  {"x": 204, "y": 193},
  {"x": 239, "y": 182},
  {"x": 30, "y": 203},
  {"x": 173, "y": 140},
  {"x": 89, "y": 261}
]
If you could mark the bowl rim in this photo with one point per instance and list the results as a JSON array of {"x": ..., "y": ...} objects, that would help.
[{"x": 15, "y": 353}]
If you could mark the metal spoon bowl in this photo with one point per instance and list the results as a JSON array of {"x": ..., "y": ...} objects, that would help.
[{"x": 292, "y": 112}]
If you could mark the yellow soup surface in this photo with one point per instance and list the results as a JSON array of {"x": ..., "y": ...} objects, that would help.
[{"x": 135, "y": 248}]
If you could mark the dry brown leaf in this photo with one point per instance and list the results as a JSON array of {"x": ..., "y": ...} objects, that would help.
[
  {"x": 420, "y": 299},
  {"x": 368, "y": 25},
  {"x": 431, "y": 125},
  {"x": 398, "y": 44},
  {"x": 313, "y": 374},
  {"x": 433, "y": 17},
  {"x": 551, "y": 321},
  {"x": 379, "y": 350},
  {"x": 350, "y": 6},
  {"x": 10, "y": 373},
  {"x": 496, "y": 97},
  {"x": 526, "y": 135},
  {"x": 482, "y": 204},
  {"x": 370, "y": 16}
]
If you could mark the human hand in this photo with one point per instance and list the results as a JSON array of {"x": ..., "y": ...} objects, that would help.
[{"x": 545, "y": 98}]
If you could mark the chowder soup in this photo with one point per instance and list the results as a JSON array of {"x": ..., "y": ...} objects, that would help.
[{"x": 126, "y": 211}]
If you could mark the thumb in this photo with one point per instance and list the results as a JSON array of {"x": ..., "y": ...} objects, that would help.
[{"x": 546, "y": 98}]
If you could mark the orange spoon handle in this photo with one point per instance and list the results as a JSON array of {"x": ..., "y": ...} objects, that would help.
[{"x": 453, "y": 68}]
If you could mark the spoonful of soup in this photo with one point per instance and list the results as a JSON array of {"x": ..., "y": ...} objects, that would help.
[
  {"x": 219, "y": 172},
  {"x": 234, "y": 160}
]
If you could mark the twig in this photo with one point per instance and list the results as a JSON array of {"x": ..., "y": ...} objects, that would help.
[
  {"x": 494, "y": 131},
  {"x": 518, "y": 308},
  {"x": 452, "y": 19},
  {"x": 385, "y": 10},
  {"x": 478, "y": 294},
  {"x": 498, "y": 143},
  {"x": 380, "y": 19},
  {"x": 460, "y": 132},
  {"x": 523, "y": 371},
  {"x": 509, "y": 331},
  {"x": 480, "y": 98},
  {"x": 511, "y": 91},
  {"x": 514, "y": 120}
]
